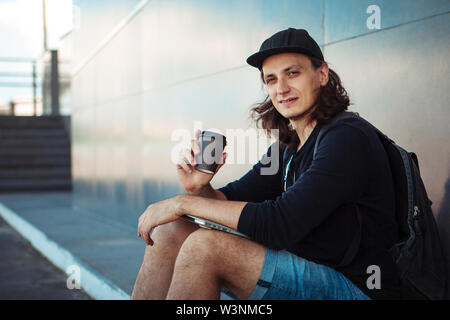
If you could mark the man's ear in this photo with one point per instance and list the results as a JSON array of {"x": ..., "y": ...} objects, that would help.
[{"x": 323, "y": 74}]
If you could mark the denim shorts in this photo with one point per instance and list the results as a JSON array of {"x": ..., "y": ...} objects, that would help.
[{"x": 285, "y": 276}]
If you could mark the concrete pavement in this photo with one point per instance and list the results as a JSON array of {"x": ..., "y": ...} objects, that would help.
[{"x": 27, "y": 275}]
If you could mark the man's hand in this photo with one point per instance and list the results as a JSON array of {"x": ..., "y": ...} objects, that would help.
[
  {"x": 158, "y": 213},
  {"x": 193, "y": 180}
]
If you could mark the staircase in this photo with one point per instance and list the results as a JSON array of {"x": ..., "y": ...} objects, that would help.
[{"x": 34, "y": 153}]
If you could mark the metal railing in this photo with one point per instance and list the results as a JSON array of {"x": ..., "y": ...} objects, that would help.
[
  {"x": 32, "y": 84},
  {"x": 49, "y": 74}
]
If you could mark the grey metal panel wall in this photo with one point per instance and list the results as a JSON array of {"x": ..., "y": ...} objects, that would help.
[
  {"x": 397, "y": 78},
  {"x": 178, "y": 62},
  {"x": 94, "y": 20},
  {"x": 345, "y": 19},
  {"x": 175, "y": 63}
]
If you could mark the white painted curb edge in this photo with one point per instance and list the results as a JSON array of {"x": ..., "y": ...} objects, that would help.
[{"x": 95, "y": 285}]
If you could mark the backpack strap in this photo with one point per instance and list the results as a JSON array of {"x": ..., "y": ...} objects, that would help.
[
  {"x": 347, "y": 114},
  {"x": 343, "y": 114},
  {"x": 356, "y": 242},
  {"x": 410, "y": 190},
  {"x": 383, "y": 138}
]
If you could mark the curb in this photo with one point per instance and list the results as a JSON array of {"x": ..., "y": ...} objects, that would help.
[{"x": 95, "y": 285}]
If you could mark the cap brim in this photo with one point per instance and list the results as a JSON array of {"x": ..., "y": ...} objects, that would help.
[{"x": 256, "y": 60}]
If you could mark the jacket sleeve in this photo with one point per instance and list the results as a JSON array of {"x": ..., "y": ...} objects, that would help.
[
  {"x": 338, "y": 175},
  {"x": 260, "y": 183}
]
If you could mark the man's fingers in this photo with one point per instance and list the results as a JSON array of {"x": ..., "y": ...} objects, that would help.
[
  {"x": 150, "y": 240},
  {"x": 195, "y": 147},
  {"x": 183, "y": 165},
  {"x": 186, "y": 156},
  {"x": 197, "y": 134},
  {"x": 146, "y": 237},
  {"x": 224, "y": 157},
  {"x": 189, "y": 156}
]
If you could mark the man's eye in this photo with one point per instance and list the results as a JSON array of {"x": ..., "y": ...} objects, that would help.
[
  {"x": 293, "y": 72},
  {"x": 269, "y": 80}
]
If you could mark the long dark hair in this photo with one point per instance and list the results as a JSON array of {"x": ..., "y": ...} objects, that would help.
[{"x": 332, "y": 99}]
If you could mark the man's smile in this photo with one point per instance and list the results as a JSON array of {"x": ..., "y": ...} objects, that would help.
[{"x": 288, "y": 101}]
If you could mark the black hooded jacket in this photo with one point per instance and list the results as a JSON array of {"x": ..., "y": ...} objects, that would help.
[{"x": 337, "y": 210}]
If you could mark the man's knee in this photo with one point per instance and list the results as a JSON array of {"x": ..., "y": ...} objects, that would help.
[
  {"x": 173, "y": 234},
  {"x": 210, "y": 248},
  {"x": 168, "y": 239},
  {"x": 235, "y": 261},
  {"x": 200, "y": 247}
]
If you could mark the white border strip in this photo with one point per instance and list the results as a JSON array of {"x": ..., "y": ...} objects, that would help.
[
  {"x": 109, "y": 37},
  {"x": 97, "y": 286}
]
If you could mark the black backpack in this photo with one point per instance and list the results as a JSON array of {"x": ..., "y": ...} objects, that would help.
[{"x": 418, "y": 254}]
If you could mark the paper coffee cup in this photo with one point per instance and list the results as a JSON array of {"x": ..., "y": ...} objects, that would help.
[{"x": 211, "y": 146}]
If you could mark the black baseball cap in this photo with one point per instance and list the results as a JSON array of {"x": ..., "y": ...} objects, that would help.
[{"x": 289, "y": 40}]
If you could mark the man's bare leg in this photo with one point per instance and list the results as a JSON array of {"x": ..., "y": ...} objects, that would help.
[
  {"x": 153, "y": 279},
  {"x": 209, "y": 260}
]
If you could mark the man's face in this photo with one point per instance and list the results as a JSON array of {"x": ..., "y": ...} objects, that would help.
[{"x": 292, "y": 82}]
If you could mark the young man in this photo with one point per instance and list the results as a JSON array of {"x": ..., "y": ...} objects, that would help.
[{"x": 316, "y": 226}]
